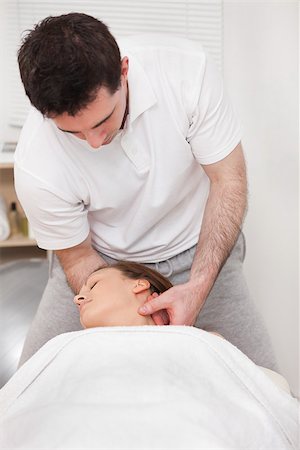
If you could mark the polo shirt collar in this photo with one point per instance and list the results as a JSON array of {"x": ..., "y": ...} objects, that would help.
[{"x": 141, "y": 94}]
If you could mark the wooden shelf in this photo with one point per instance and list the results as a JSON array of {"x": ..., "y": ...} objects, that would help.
[
  {"x": 6, "y": 165},
  {"x": 17, "y": 246},
  {"x": 18, "y": 241}
]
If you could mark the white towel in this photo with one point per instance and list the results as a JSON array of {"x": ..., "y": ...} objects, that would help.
[
  {"x": 4, "y": 223},
  {"x": 142, "y": 388}
]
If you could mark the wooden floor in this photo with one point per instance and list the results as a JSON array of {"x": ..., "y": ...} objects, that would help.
[{"x": 21, "y": 287}]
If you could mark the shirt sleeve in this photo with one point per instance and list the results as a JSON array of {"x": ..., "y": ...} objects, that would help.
[
  {"x": 214, "y": 128},
  {"x": 57, "y": 221}
]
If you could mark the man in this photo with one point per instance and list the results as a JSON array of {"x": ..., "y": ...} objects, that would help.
[{"x": 134, "y": 155}]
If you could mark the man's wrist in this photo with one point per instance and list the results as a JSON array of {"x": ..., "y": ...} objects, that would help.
[
  {"x": 78, "y": 272},
  {"x": 200, "y": 286}
]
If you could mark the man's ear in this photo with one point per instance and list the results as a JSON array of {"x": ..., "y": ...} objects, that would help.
[
  {"x": 140, "y": 286},
  {"x": 125, "y": 67}
]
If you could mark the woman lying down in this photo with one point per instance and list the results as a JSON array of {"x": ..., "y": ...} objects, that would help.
[{"x": 125, "y": 383}]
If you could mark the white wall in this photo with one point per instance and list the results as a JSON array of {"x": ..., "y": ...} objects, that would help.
[
  {"x": 261, "y": 74},
  {"x": 7, "y": 133},
  {"x": 2, "y": 72}
]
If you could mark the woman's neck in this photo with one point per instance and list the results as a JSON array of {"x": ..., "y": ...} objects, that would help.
[{"x": 142, "y": 320}]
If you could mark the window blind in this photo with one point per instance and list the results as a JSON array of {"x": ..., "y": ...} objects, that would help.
[{"x": 195, "y": 19}]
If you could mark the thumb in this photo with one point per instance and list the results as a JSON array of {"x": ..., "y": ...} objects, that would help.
[{"x": 151, "y": 306}]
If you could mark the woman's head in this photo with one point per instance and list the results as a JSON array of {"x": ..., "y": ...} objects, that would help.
[{"x": 111, "y": 296}]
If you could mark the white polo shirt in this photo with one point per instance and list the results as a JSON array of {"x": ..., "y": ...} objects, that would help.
[{"x": 143, "y": 195}]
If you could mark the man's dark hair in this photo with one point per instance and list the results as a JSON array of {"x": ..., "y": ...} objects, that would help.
[{"x": 65, "y": 59}]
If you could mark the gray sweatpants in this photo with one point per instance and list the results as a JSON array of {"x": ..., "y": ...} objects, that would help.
[{"x": 228, "y": 309}]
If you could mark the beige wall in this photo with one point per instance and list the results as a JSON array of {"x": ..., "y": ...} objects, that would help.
[{"x": 261, "y": 72}]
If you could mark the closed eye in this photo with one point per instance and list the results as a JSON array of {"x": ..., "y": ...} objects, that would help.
[{"x": 95, "y": 126}]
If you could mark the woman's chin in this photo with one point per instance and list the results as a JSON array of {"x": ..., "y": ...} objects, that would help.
[{"x": 83, "y": 324}]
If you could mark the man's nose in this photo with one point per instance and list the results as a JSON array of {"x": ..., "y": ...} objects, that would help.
[{"x": 95, "y": 138}]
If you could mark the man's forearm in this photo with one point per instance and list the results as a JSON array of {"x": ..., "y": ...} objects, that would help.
[
  {"x": 78, "y": 263},
  {"x": 79, "y": 272},
  {"x": 221, "y": 224},
  {"x": 222, "y": 221}
]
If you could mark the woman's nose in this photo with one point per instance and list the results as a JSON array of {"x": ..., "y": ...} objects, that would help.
[{"x": 79, "y": 298}]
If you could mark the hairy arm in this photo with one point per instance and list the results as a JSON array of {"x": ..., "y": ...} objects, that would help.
[
  {"x": 223, "y": 217},
  {"x": 79, "y": 262}
]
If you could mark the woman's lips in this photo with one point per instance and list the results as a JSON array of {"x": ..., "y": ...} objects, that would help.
[
  {"x": 108, "y": 140},
  {"x": 82, "y": 305}
]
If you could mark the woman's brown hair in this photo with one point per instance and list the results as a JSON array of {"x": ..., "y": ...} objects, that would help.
[{"x": 133, "y": 270}]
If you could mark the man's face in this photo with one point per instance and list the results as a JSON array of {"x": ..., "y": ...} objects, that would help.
[{"x": 101, "y": 120}]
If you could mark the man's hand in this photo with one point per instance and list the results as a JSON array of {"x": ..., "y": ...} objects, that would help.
[
  {"x": 160, "y": 317},
  {"x": 181, "y": 303}
]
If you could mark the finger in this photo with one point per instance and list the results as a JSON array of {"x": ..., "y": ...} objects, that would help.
[
  {"x": 152, "y": 306},
  {"x": 158, "y": 318},
  {"x": 155, "y": 294},
  {"x": 161, "y": 317},
  {"x": 166, "y": 317}
]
